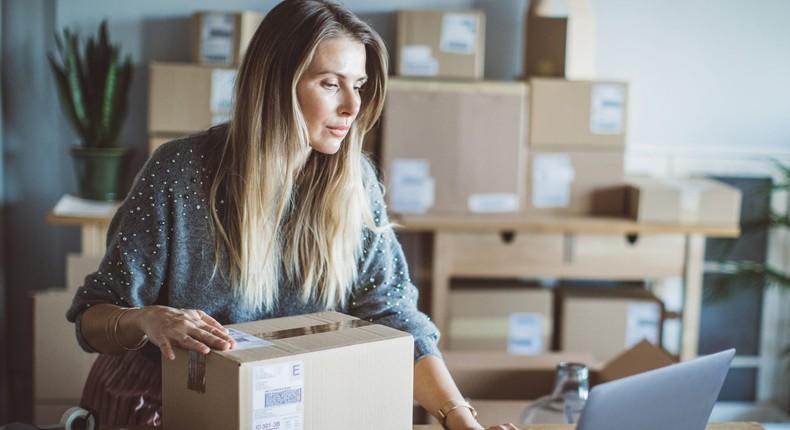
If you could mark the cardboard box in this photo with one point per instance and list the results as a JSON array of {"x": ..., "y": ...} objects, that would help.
[
  {"x": 158, "y": 140},
  {"x": 682, "y": 201},
  {"x": 454, "y": 147},
  {"x": 577, "y": 115},
  {"x": 605, "y": 321},
  {"x": 299, "y": 372},
  {"x": 77, "y": 267},
  {"x": 440, "y": 44},
  {"x": 502, "y": 376},
  {"x": 186, "y": 98},
  {"x": 575, "y": 183},
  {"x": 60, "y": 366},
  {"x": 500, "y": 316},
  {"x": 220, "y": 38},
  {"x": 560, "y": 42}
]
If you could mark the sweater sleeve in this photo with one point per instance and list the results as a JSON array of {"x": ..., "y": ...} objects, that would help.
[
  {"x": 134, "y": 266},
  {"x": 384, "y": 293}
]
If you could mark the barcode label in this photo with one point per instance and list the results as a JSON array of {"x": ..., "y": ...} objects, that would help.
[{"x": 283, "y": 397}]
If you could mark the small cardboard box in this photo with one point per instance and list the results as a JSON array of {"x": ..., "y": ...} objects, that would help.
[
  {"x": 488, "y": 316},
  {"x": 502, "y": 376},
  {"x": 220, "y": 38},
  {"x": 682, "y": 201},
  {"x": 560, "y": 42},
  {"x": 440, "y": 44},
  {"x": 606, "y": 321},
  {"x": 324, "y": 370},
  {"x": 575, "y": 183},
  {"x": 577, "y": 115},
  {"x": 442, "y": 153},
  {"x": 186, "y": 98}
]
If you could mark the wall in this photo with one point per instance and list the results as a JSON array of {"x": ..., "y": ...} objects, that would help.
[
  {"x": 3, "y": 337},
  {"x": 708, "y": 84}
]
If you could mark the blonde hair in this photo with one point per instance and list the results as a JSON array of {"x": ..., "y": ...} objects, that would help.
[{"x": 289, "y": 212}]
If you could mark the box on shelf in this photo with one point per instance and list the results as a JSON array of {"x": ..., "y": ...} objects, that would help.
[
  {"x": 186, "y": 98},
  {"x": 295, "y": 372},
  {"x": 503, "y": 376},
  {"x": 500, "y": 316},
  {"x": 440, "y": 43},
  {"x": 605, "y": 321},
  {"x": 682, "y": 201},
  {"x": 220, "y": 38},
  {"x": 560, "y": 42},
  {"x": 575, "y": 183},
  {"x": 442, "y": 153},
  {"x": 590, "y": 115}
]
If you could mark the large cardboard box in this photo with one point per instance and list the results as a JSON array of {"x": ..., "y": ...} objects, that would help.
[
  {"x": 575, "y": 183},
  {"x": 220, "y": 38},
  {"x": 682, "y": 201},
  {"x": 454, "y": 147},
  {"x": 186, "y": 98},
  {"x": 560, "y": 41},
  {"x": 440, "y": 44},
  {"x": 500, "y": 316},
  {"x": 606, "y": 321},
  {"x": 578, "y": 115},
  {"x": 503, "y": 376},
  {"x": 324, "y": 370}
]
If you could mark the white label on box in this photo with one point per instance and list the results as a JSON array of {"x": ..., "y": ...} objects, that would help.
[
  {"x": 643, "y": 322},
  {"x": 278, "y": 396},
  {"x": 459, "y": 34},
  {"x": 493, "y": 202},
  {"x": 216, "y": 39},
  {"x": 222, "y": 81},
  {"x": 690, "y": 198},
  {"x": 412, "y": 189},
  {"x": 525, "y": 333},
  {"x": 417, "y": 60},
  {"x": 607, "y": 110},
  {"x": 246, "y": 341},
  {"x": 552, "y": 176}
]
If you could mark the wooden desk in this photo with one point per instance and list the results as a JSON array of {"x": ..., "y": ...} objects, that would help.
[{"x": 555, "y": 249}]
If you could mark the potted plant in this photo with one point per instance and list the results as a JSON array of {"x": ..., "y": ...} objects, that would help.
[{"x": 93, "y": 86}]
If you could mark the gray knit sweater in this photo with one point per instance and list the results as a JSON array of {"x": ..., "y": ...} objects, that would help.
[{"x": 160, "y": 250}]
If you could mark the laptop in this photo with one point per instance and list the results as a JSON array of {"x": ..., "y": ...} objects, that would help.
[{"x": 677, "y": 397}]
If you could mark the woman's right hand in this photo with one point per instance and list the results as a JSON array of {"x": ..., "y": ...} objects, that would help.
[{"x": 189, "y": 329}]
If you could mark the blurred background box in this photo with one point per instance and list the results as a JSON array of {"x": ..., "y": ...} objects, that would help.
[
  {"x": 440, "y": 44},
  {"x": 220, "y": 38},
  {"x": 454, "y": 147},
  {"x": 560, "y": 39},
  {"x": 682, "y": 201}
]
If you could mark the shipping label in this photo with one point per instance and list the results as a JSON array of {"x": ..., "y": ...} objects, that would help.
[{"x": 278, "y": 396}]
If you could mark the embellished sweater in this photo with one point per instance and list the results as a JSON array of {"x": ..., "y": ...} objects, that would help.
[{"x": 161, "y": 250}]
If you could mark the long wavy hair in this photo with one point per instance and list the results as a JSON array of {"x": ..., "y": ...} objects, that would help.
[{"x": 280, "y": 210}]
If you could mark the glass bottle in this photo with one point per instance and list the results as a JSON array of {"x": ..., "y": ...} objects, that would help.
[{"x": 565, "y": 403}]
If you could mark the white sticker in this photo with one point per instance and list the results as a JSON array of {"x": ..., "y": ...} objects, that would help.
[
  {"x": 222, "y": 81},
  {"x": 412, "y": 189},
  {"x": 552, "y": 176},
  {"x": 278, "y": 396},
  {"x": 607, "y": 109},
  {"x": 525, "y": 333},
  {"x": 642, "y": 322},
  {"x": 246, "y": 341},
  {"x": 216, "y": 39},
  {"x": 459, "y": 34},
  {"x": 417, "y": 60},
  {"x": 493, "y": 202}
]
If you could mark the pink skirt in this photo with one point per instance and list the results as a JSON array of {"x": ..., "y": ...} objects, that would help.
[{"x": 125, "y": 390}]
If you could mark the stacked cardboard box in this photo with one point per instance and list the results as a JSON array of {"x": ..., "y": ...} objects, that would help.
[
  {"x": 186, "y": 98},
  {"x": 440, "y": 44}
]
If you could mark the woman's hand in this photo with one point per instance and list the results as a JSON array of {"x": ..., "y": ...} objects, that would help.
[{"x": 189, "y": 329}]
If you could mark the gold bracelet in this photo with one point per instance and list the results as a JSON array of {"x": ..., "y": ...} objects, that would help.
[
  {"x": 451, "y": 406},
  {"x": 115, "y": 332},
  {"x": 108, "y": 332}
]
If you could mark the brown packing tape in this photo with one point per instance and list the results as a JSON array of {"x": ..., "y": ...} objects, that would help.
[{"x": 197, "y": 361}]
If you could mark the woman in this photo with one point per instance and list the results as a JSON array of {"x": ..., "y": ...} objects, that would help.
[{"x": 276, "y": 213}]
